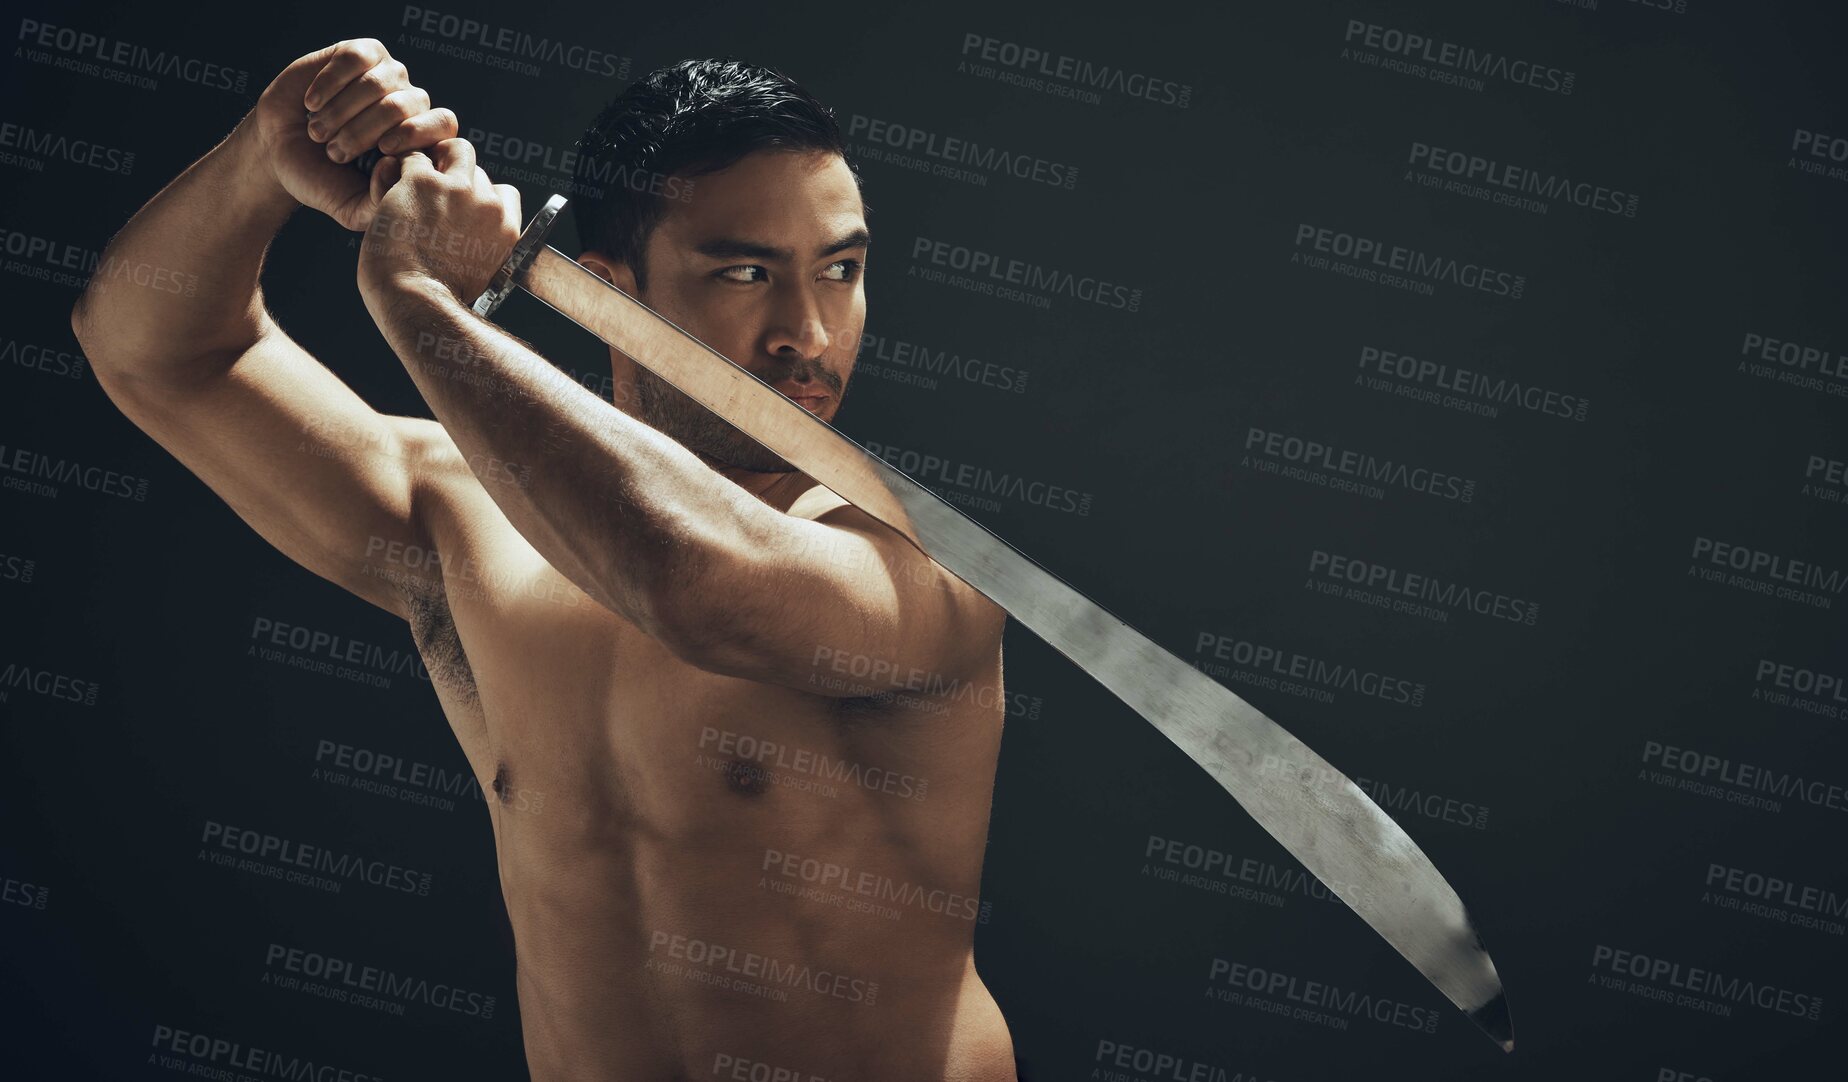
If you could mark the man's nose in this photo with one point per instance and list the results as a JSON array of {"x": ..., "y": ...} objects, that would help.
[{"x": 797, "y": 324}]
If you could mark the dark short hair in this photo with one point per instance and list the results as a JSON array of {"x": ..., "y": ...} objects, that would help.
[{"x": 681, "y": 121}]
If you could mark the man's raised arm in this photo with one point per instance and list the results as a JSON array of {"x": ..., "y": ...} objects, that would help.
[
  {"x": 625, "y": 512},
  {"x": 184, "y": 346}
]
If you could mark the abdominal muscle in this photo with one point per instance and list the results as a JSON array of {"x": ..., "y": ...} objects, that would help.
[
  {"x": 681, "y": 914},
  {"x": 701, "y": 987}
]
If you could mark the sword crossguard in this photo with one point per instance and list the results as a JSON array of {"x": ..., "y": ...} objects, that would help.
[{"x": 531, "y": 241}]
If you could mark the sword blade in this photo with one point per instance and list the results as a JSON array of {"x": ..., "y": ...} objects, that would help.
[{"x": 1338, "y": 833}]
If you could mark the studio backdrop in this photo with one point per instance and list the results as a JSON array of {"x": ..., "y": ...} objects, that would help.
[{"x": 1464, "y": 385}]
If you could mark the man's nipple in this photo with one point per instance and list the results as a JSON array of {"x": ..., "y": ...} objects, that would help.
[{"x": 747, "y": 777}]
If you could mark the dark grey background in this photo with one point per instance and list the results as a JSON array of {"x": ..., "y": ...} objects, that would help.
[{"x": 1541, "y": 729}]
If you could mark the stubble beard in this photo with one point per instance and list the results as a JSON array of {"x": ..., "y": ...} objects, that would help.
[{"x": 670, "y": 411}]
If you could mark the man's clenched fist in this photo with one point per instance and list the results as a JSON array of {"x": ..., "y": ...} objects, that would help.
[
  {"x": 441, "y": 223},
  {"x": 329, "y": 107}
]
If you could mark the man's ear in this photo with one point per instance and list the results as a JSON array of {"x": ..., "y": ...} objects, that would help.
[{"x": 615, "y": 273}]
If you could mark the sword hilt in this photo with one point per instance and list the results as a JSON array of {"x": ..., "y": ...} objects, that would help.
[{"x": 507, "y": 278}]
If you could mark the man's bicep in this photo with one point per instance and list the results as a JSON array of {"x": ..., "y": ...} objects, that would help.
[
  {"x": 300, "y": 457},
  {"x": 847, "y": 607}
]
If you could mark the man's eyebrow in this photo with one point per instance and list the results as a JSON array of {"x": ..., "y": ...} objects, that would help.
[
  {"x": 732, "y": 248},
  {"x": 859, "y": 238},
  {"x": 735, "y": 248}
]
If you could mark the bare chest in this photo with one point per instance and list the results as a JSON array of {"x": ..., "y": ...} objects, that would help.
[{"x": 555, "y": 701}]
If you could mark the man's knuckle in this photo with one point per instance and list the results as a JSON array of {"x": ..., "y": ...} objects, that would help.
[{"x": 406, "y": 103}]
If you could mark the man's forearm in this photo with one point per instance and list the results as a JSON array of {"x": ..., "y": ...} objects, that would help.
[
  {"x": 625, "y": 512},
  {"x": 178, "y": 286}
]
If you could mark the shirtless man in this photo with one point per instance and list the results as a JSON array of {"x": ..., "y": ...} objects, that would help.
[{"x": 727, "y": 851}]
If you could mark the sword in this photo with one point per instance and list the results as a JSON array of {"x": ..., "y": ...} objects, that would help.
[{"x": 1317, "y": 812}]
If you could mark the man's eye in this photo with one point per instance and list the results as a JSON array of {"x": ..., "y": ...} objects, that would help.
[
  {"x": 842, "y": 270},
  {"x": 744, "y": 273}
]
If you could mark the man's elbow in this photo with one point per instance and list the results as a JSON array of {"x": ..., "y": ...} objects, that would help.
[
  {"x": 80, "y": 325},
  {"x": 708, "y": 620},
  {"x": 704, "y": 638},
  {"x": 103, "y": 346}
]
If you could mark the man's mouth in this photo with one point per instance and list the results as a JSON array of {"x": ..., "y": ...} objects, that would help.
[{"x": 808, "y": 398}]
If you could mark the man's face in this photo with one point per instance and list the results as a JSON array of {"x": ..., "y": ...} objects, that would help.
[{"x": 763, "y": 263}]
